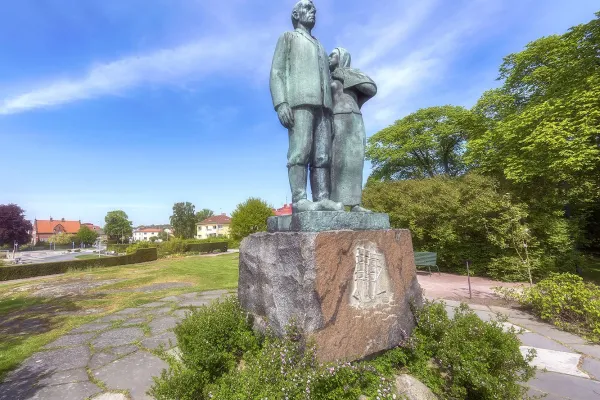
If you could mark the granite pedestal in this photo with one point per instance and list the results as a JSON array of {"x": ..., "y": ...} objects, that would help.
[{"x": 351, "y": 291}]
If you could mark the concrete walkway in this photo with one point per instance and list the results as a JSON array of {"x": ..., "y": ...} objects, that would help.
[{"x": 112, "y": 358}]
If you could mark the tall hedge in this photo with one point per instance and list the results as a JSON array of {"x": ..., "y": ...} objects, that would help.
[{"x": 52, "y": 268}]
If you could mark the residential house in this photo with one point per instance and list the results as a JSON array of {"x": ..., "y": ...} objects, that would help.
[
  {"x": 285, "y": 210},
  {"x": 43, "y": 229},
  {"x": 144, "y": 234},
  {"x": 101, "y": 235},
  {"x": 215, "y": 226}
]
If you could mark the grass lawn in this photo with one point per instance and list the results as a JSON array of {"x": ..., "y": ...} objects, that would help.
[{"x": 28, "y": 322}]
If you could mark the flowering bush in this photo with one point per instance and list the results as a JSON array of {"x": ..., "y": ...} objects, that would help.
[{"x": 564, "y": 300}]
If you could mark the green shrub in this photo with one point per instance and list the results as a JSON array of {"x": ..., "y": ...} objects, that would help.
[
  {"x": 52, "y": 268},
  {"x": 222, "y": 358},
  {"x": 564, "y": 300},
  {"x": 212, "y": 340},
  {"x": 463, "y": 357},
  {"x": 470, "y": 218}
]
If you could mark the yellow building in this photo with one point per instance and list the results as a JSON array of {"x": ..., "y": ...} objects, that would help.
[{"x": 215, "y": 226}]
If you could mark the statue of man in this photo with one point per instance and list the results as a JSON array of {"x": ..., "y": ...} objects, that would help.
[{"x": 300, "y": 88}]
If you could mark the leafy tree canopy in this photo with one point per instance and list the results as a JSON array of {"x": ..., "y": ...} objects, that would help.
[
  {"x": 118, "y": 226},
  {"x": 13, "y": 225},
  {"x": 183, "y": 220},
  {"x": 86, "y": 235},
  {"x": 203, "y": 214},
  {"x": 543, "y": 123},
  {"x": 424, "y": 144},
  {"x": 250, "y": 217}
]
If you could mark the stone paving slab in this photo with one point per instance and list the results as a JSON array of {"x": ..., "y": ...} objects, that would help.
[
  {"x": 48, "y": 362},
  {"x": 100, "y": 359},
  {"x": 133, "y": 372},
  {"x": 112, "y": 318},
  {"x": 117, "y": 337},
  {"x": 166, "y": 339},
  {"x": 592, "y": 367},
  {"x": 62, "y": 377},
  {"x": 110, "y": 396},
  {"x": 153, "y": 304},
  {"x": 69, "y": 391},
  {"x": 158, "y": 311},
  {"x": 537, "y": 340},
  {"x": 162, "y": 324},
  {"x": 134, "y": 321},
  {"x": 194, "y": 303},
  {"x": 556, "y": 361},
  {"x": 92, "y": 327},
  {"x": 70, "y": 340},
  {"x": 129, "y": 311},
  {"x": 170, "y": 298},
  {"x": 589, "y": 349},
  {"x": 566, "y": 386},
  {"x": 123, "y": 350}
]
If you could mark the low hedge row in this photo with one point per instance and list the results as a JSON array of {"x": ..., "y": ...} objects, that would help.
[
  {"x": 207, "y": 247},
  {"x": 52, "y": 268}
]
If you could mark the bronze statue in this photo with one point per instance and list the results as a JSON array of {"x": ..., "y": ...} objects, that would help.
[
  {"x": 301, "y": 92},
  {"x": 351, "y": 89}
]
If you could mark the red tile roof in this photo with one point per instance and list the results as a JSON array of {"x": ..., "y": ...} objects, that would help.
[
  {"x": 42, "y": 226},
  {"x": 149, "y": 230},
  {"x": 222, "y": 219},
  {"x": 285, "y": 210}
]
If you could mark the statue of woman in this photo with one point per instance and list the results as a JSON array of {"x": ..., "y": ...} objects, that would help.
[{"x": 351, "y": 89}]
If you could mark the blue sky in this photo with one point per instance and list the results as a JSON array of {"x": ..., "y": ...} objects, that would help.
[{"x": 138, "y": 104}]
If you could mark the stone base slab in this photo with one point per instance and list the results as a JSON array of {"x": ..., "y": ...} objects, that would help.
[
  {"x": 319, "y": 221},
  {"x": 351, "y": 291}
]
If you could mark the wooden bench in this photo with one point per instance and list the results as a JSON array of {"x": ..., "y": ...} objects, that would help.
[{"x": 426, "y": 259}]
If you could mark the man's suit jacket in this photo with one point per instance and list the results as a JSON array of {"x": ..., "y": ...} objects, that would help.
[{"x": 300, "y": 72}]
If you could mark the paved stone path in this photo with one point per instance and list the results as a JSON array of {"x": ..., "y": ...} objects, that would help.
[{"x": 112, "y": 358}]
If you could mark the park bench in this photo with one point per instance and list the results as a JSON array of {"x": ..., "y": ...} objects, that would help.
[{"x": 426, "y": 259}]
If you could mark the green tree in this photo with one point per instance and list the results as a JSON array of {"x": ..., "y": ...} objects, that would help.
[
  {"x": 86, "y": 235},
  {"x": 424, "y": 144},
  {"x": 62, "y": 239},
  {"x": 543, "y": 124},
  {"x": 203, "y": 214},
  {"x": 250, "y": 217},
  {"x": 183, "y": 220},
  {"x": 117, "y": 225},
  {"x": 164, "y": 236}
]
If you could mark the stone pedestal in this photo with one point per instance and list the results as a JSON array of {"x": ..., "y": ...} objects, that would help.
[
  {"x": 320, "y": 221},
  {"x": 350, "y": 291}
]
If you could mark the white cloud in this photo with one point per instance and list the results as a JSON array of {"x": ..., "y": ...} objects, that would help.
[
  {"x": 184, "y": 63},
  {"x": 409, "y": 63}
]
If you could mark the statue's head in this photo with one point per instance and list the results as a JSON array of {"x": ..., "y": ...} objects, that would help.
[
  {"x": 304, "y": 13},
  {"x": 339, "y": 57}
]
